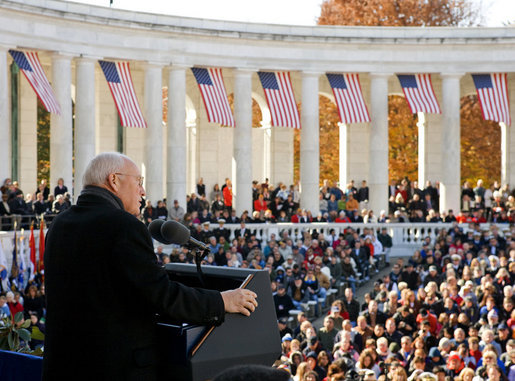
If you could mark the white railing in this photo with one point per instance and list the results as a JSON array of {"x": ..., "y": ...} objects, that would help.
[{"x": 406, "y": 237}]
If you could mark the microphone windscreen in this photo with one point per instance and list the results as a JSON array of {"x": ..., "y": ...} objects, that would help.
[
  {"x": 155, "y": 231},
  {"x": 175, "y": 232}
]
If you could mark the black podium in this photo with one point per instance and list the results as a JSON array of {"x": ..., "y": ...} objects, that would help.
[{"x": 197, "y": 353}]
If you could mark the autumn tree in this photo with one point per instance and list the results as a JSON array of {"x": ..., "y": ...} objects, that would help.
[
  {"x": 480, "y": 144},
  {"x": 398, "y": 13},
  {"x": 402, "y": 138},
  {"x": 403, "y": 150}
]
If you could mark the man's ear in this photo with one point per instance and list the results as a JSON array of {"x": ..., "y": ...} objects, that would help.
[{"x": 113, "y": 183}]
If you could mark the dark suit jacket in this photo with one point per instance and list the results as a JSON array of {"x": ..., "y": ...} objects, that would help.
[
  {"x": 246, "y": 234},
  {"x": 103, "y": 289}
]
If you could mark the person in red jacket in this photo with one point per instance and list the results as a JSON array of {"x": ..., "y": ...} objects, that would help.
[
  {"x": 260, "y": 204},
  {"x": 227, "y": 192},
  {"x": 426, "y": 315},
  {"x": 13, "y": 301}
]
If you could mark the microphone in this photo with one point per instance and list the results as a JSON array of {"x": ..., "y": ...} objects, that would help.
[
  {"x": 177, "y": 233},
  {"x": 154, "y": 229}
]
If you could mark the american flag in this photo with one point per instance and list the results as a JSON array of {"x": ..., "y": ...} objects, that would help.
[
  {"x": 118, "y": 76},
  {"x": 419, "y": 93},
  {"x": 492, "y": 91},
  {"x": 349, "y": 98},
  {"x": 41, "y": 263},
  {"x": 3, "y": 271},
  {"x": 280, "y": 98},
  {"x": 211, "y": 85},
  {"x": 32, "y": 245},
  {"x": 29, "y": 64}
]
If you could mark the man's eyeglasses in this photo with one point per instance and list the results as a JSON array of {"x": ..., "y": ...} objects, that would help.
[{"x": 138, "y": 178}]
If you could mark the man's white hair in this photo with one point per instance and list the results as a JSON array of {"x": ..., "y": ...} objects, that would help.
[{"x": 102, "y": 165}]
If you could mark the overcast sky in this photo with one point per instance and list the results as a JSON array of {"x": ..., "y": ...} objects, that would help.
[{"x": 294, "y": 12}]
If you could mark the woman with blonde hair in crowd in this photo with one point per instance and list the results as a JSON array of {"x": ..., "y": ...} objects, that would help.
[
  {"x": 302, "y": 369},
  {"x": 466, "y": 374},
  {"x": 399, "y": 374}
]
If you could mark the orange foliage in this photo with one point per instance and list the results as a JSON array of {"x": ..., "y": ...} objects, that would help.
[
  {"x": 403, "y": 140},
  {"x": 480, "y": 144},
  {"x": 398, "y": 13}
]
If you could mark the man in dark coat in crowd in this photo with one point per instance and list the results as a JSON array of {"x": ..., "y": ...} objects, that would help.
[{"x": 101, "y": 273}]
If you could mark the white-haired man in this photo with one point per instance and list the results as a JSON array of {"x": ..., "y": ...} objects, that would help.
[{"x": 102, "y": 274}]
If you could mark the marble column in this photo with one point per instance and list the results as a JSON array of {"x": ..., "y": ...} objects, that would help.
[
  {"x": 85, "y": 114},
  {"x": 422, "y": 152},
  {"x": 154, "y": 133},
  {"x": 309, "y": 144},
  {"x": 451, "y": 148},
  {"x": 5, "y": 130},
  {"x": 242, "y": 142},
  {"x": 344, "y": 155},
  {"x": 378, "y": 152},
  {"x": 61, "y": 133},
  {"x": 176, "y": 144}
]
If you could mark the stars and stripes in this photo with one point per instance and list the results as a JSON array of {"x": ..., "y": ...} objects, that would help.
[
  {"x": 349, "y": 98},
  {"x": 118, "y": 76},
  {"x": 15, "y": 270},
  {"x": 22, "y": 264},
  {"x": 32, "y": 257},
  {"x": 30, "y": 66},
  {"x": 419, "y": 93},
  {"x": 41, "y": 263},
  {"x": 492, "y": 91},
  {"x": 211, "y": 84},
  {"x": 4, "y": 278},
  {"x": 280, "y": 98}
]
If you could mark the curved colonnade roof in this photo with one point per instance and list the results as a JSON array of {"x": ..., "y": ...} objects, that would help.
[{"x": 99, "y": 32}]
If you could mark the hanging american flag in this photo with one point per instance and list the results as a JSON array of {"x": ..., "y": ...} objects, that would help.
[
  {"x": 30, "y": 66},
  {"x": 32, "y": 246},
  {"x": 4, "y": 278},
  {"x": 211, "y": 85},
  {"x": 118, "y": 76},
  {"x": 419, "y": 93},
  {"x": 492, "y": 91},
  {"x": 15, "y": 270},
  {"x": 280, "y": 98},
  {"x": 41, "y": 263},
  {"x": 349, "y": 98}
]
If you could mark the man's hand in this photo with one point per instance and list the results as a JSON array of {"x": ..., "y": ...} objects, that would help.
[{"x": 239, "y": 301}]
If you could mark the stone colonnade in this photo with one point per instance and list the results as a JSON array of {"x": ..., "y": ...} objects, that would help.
[{"x": 162, "y": 49}]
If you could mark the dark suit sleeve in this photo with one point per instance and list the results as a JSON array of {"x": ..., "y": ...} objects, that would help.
[{"x": 150, "y": 282}]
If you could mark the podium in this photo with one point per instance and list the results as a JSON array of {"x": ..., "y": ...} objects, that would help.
[{"x": 198, "y": 353}]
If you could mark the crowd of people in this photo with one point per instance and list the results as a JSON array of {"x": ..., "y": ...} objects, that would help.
[
  {"x": 446, "y": 313},
  {"x": 25, "y": 208},
  {"x": 281, "y": 203}
]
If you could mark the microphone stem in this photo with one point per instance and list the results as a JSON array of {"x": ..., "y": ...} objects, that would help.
[{"x": 199, "y": 256}]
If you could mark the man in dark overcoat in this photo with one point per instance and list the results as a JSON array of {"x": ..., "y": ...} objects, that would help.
[{"x": 101, "y": 275}]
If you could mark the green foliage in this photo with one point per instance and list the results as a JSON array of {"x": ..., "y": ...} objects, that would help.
[{"x": 14, "y": 336}]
